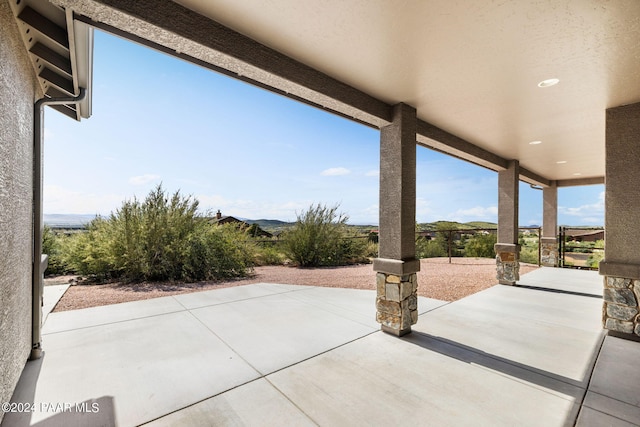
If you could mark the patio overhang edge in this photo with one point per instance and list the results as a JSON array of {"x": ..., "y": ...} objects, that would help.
[
  {"x": 178, "y": 31},
  {"x": 181, "y": 32}
]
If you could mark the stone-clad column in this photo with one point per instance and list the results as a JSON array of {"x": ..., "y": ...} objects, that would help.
[
  {"x": 397, "y": 301},
  {"x": 548, "y": 239},
  {"x": 621, "y": 264},
  {"x": 507, "y": 248}
]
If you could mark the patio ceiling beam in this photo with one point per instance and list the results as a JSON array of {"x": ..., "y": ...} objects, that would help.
[
  {"x": 580, "y": 181},
  {"x": 433, "y": 137},
  {"x": 189, "y": 35},
  {"x": 533, "y": 178}
]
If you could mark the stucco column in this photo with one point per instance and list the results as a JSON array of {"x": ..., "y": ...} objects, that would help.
[
  {"x": 507, "y": 248},
  {"x": 548, "y": 239},
  {"x": 621, "y": 265},
  {"x": 396, "y": 265}
]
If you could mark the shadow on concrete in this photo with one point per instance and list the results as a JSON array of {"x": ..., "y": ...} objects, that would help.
[
  {"x": 24, "y": 393},
  {"x": 505, "y": 366},
  {"x": 98, "y": 412},
  {"x": 23, "y": 407},
  {"x": 557, "y": 291}
]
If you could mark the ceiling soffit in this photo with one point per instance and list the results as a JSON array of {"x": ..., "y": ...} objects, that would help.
[{"x": 60, "y": 50}]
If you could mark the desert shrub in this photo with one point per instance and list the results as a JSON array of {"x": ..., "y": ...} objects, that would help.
[
  {"x": 594, "y": 259},
  {"x": 371, "y": 250},
  {"x": 217, "y": 252},
  {"x": 356, "y": 249},
  {"x": 53, "y": 244},
  {"x": 481, "y": 246},
  {"x": 91, "y": 253},
  {"x": 319, "y": 238},
  {"x": 269, "y": 255},
  {"x": 529, "y": 254},
  {"x": 162, "y": 238},
  {"x": 429, "y": 248}
]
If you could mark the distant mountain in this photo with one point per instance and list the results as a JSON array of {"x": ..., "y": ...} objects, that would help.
[
  {"x": 270, "y": 225},
  {"x": 480, "y": 224},
  {"x": 453, "y": 225}
]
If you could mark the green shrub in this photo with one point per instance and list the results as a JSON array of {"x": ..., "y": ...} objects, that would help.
[
  {"x": 529, "y": 254},
  {"x": 218, "y": 251},
  {"x": 481, "y": 246},
  {"x": 355, "y": 249},
  {"x": 269, "y": 254},
  {"x": 162, "y": 238},
  {"x": 319, "y": 238},
  {"x": 594, "y": 259},
  {"x": 429, "y": 248},
  {"x": 53, "y": 245},
  {"x": 91, "y": 253}
]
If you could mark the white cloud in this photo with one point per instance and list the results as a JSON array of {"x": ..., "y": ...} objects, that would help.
[
  {"x": 143, "y": 179},
  {"x": 374, "y": 172},
  {"x": 423, "y": 209},
  {"x": 335, "y": 172},
  {"x": 477, "y": 213},
  {"x": 587, "y": 212}
]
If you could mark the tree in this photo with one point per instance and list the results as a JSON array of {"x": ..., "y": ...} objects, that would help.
[{"x": 481, "y": 246}]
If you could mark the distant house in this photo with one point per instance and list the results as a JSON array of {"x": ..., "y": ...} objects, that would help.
[
  {"x": 253, "y": 229},
  {"x": 428, "y": 235},
  {"x": 584, "y": 235}
]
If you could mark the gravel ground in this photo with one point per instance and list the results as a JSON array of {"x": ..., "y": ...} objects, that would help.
[{"x": 437, "y": 279}]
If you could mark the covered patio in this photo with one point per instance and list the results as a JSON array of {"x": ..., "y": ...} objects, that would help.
[
  {"x": 541, "y": 92},
  {"x": 282, "y": 354}
]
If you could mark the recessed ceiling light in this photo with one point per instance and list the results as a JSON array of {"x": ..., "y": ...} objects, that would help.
[
  {"x": 535, "y": 142},
  {"x": 577, "y": 174},
  {"x": 548, "y": 82},
  {"x": 561, "y": 162}
]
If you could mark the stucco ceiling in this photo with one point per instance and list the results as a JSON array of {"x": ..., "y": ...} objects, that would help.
[{"x": 471, "y": 68}]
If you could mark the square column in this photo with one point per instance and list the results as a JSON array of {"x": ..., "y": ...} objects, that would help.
[
  {"x": 507, "y": 248},
  {"x": 621, "y": 266},
  {"x": 396, "y": 264},
  {"x": 548, "y": 239}
]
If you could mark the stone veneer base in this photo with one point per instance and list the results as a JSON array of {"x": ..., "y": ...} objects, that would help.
[
  {"x": 621, "y": 308},
  {"x": 507, "y": 263},
  {"x": 549, "y": 253},
  {"x": 397, "y": 302}
]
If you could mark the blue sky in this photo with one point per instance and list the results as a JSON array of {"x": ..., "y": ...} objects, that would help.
[{"x": 247, "y": 152}]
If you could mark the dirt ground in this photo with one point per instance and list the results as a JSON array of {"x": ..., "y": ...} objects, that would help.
[{"x": 437, "y": 279}]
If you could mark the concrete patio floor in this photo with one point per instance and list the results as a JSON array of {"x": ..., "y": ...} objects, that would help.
[{"x": 270, "y": 354}]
